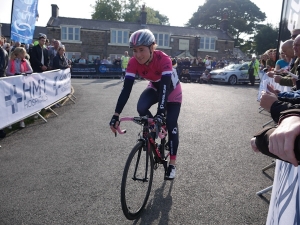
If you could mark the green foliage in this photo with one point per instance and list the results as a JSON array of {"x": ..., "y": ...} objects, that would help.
[
  {"x": 243, "y": 16},
  {"x": 131, "y": 12},
  {"x": 107, "y": 10},
  {"x": 128, "y": 11},
  {"x": 266, "y": 38}
]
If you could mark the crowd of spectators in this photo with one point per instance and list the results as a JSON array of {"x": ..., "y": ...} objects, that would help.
[
  {"x": 282, "y": 141},
  {"x": 19, "y": 59},
  {"x": 202, "y": 65}
]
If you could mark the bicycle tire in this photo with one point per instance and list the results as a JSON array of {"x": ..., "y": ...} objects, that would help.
[{"x": 133, "y": 198}]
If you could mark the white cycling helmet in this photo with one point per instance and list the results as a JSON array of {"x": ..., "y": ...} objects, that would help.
[{"x": 142, "y": 37}]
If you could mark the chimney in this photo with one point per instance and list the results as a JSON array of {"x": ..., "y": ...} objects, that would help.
[
  {"x": 143, "y": 16},
  {"x": 55, "y": 10}
]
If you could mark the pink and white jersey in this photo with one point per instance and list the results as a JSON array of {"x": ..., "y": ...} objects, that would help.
[{"x": 161, "y": 65}]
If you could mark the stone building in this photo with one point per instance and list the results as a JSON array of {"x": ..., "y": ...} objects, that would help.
[{"x": 93, "y": 38}]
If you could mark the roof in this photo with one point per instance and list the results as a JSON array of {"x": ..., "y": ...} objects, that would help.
[
  {"x": 91, "y": 24},
  {"x": 5, "y": 30}
]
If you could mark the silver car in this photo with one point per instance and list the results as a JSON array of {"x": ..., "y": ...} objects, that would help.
[{"x": 232, "y": 74}]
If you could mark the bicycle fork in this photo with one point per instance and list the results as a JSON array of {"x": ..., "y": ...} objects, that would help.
[{"x": 145, "y": 179}]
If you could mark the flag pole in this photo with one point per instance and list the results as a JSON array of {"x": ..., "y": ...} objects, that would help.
[
  {"x": 281, "y": 23},
  {"x": 11, "y": 16}
]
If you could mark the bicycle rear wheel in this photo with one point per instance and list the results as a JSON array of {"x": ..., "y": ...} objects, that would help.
[{"x": 136, "y": 181}]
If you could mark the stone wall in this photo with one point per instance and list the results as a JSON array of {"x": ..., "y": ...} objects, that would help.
[{"x": 97, "y": 43}]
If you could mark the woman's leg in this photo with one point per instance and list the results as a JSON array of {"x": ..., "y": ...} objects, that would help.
[
  {"x": 173, "y": 110},
  {"x": 148, "y": 98}
]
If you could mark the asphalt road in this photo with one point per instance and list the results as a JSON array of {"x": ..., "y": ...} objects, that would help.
[{"x": 68, "y": 171}]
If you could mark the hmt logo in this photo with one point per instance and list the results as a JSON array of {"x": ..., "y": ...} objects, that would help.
[
  {"x": 13, "y": 99},
  {"x": 56, "y": 86}
]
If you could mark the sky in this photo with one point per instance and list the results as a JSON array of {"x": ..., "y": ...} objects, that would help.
[{"x": 178, "y": 12}]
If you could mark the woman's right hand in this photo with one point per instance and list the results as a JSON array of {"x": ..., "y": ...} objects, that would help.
[{"x": 114, "y": 123}]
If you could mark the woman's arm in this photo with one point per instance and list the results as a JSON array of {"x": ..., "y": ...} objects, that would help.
[
  {"x": 28, "y": 66},
  {"x": 8, "y": 73}
]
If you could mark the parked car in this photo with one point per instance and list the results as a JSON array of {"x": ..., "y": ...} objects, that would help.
[{"x": 232, "y": 74}]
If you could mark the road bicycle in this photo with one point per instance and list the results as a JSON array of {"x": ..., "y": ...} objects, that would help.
[{"x": 144, "y": 158}]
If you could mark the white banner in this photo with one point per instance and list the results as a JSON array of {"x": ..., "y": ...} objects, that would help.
[
  {"x": 21, "y": 95},
  {"x": 284, "y": 207}
]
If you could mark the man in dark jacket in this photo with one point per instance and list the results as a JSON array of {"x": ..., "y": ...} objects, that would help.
[
  {"x": 3, "y": 58},
  {"x": 39, "y": 58}
]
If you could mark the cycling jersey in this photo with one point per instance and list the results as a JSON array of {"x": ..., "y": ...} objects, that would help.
[{"x": 161, "y": 76}]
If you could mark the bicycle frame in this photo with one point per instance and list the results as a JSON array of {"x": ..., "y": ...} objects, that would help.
[{"x": 148, "y": 140}]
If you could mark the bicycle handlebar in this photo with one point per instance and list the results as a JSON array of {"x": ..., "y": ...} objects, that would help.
[{"x": 161, "y": 134}]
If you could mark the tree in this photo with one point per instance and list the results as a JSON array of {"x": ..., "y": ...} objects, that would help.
[
  {"x": 266, "y": 38},
  {"x": 154, "y": 17},
  {"x": 107, "y": 10},
  {"x": 132, "y": 11},
  {"x": 243, "y": 16},
  {"x": 128, "y": 11}
]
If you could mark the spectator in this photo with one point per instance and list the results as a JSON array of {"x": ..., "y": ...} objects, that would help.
[
  {"x": 60, "y": 61},
  {"x": 124, "y": 62},
  {"x": 47, "y": 44},
  {"x": 263, "y": 60},
  {"x": 74, "y": 60},
  {"x": 205, "y": 77},
  {"x": 39, "y": 55},
  {"x": 18, "y": 65},
  {"x": 253, "y": 70},
  {"x": 7, "y": 48},
  {"x": 52, "y": 52},
  {"x": 3, "y": 65},
  {"x": 220, "y": 64},
  {"x": 109, "y": 60},
  {"x": 272, "y": 58},
  {"x": 3, "y": 58},
  {"x": 186, "y": 63},
  {"x": 82, "y": 60},
  {"x": 213, "y": 63},
  {"x": 185, "y": 76},
  {"x": 97, "y": 61},
  {"x": 278, "y": 142},
  {"x": 194, "y": 63},
  {"x": 117, "y": 62},
  {"x": 201, "y": 64},
  {"x": 208, "y": 63},
  {"x": 16, "y": 44},
  {"x": 104, "y": 61}
]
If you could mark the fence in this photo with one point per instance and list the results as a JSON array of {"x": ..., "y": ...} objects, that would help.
[
  {"x": 24, "y": 96},
  {"x": 96, "y": 71}
]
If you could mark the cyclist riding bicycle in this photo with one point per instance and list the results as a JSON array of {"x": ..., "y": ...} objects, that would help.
[{"x": 164, "y": 88}]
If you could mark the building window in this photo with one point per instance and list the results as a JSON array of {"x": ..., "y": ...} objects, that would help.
[
  {"x": 119, "y": 37},
  {"x": 70, "y": 54},
  {"x": 162, "y": 39},
  {"x": 208, "y": 43},
  {"x": 70, "y": 33}
]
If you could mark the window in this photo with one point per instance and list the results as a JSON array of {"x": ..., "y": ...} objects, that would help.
[
  {"x": 70, "y": 33},
  {"x": 162, "y": 39},
  {"x": 208, "y": 43},
  {"x": 119, "y": 37},
  {"x": 70, "y": 54}
]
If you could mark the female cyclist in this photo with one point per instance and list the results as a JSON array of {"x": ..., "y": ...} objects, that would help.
[{"x": 164, "y": 88}]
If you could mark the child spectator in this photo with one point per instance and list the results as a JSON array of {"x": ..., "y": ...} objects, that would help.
[{"x": 17, "y": 65}]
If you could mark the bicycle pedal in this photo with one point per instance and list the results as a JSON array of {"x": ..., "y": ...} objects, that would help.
[{"x": 156, "y": 165}]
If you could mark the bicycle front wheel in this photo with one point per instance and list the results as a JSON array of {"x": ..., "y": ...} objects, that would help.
[{"x": 136, "y": 181}]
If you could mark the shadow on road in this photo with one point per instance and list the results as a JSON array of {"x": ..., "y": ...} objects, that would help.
[{"x": 159, "y": 207}]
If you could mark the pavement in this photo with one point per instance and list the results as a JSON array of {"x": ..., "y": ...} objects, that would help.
[{"x": 69, "y": 170}]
